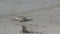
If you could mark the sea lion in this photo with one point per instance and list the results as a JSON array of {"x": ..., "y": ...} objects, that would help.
[
  {"x": 24, "y": 29},
  {"x": 21, "y": 19}
]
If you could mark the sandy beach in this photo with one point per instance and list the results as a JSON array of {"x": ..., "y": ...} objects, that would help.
[{"x": 45, "y": 15}]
